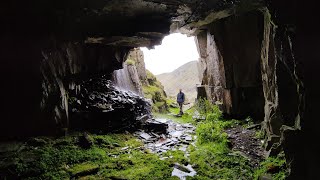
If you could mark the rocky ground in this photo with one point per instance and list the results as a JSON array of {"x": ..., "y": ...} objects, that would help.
[
  {"x": 176, "y": 136},
  {"x": 245, "y": 141},
  {"x": 163, "y": 142},
  {"x": 97, "y": 104},
  {"x": 146, "y": 148}
]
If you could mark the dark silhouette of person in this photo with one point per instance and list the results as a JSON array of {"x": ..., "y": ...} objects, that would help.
[{"x": 180, "y": 100}]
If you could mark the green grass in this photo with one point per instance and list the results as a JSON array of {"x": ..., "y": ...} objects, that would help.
[
  {"x": 130, "y": 62},
  {"x": 170, "y": 101},
  {"x": 212, "y": 158},
  {"x": 215, "y": 161},
  {"x": 113, "y": 155},
  {"x": 185, "y": 118},
  {"x": 122, "y": 156},
  {"x": 156, "y": 94},
  {"x": 154, "y": 90},
  {"x": 83, "y": 168},
  {"x": 259, "y": 134},
  {"x": 176, "y": 156},
  {"x": 273, "y": 165}
]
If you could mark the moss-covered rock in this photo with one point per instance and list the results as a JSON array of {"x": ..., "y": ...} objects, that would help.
[
  {"x": 130, "y": 62},
  {"x": 155, "y": 91},
  {"x": 110, "y": 156},
  {"x": 83, "y": 169}
]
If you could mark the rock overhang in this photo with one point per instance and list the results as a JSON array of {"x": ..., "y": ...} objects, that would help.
[{"x": 137, "y": 23}]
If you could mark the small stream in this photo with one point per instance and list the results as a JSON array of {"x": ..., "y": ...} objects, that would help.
[{"x": 162, "y": 135}]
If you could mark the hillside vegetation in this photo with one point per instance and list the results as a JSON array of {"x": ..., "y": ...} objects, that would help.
[
  {"x": 154, "y": 90},
  {"x": 185, "y": 77}
]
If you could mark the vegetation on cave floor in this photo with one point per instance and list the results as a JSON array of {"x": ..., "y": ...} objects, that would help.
[
  {"x": 212, "y": 157},
  {"x": 112, "y": 156},
  {"x": 173, "y": 111},
  {"x": 123, "y": 156}
]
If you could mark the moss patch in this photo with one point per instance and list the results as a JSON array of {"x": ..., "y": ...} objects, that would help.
[
  {"x": 130, "y": 62},
  {"x": 111, "y": 156},
  {"x": 154, "y": 91},
  {"x": 276, "y": 166},
  {"x": 185, "y": 118},
  {"x": 83, "y": 169}
]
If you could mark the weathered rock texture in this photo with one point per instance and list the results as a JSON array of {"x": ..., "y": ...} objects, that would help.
[
  {"x": 61, "y": 69},
  {"x": 289, "y": 54},
  {"x": 133, "y": 75},
  {"x": 74, "y": 40},
  {"x": 136, "y": 55},
  {"x": 230, "y": 58},
  {"x": 260, "y": 56},
  {"x": 66, "y": 42},
  {"x": 99, "y": 106},
  {"x": 128, "y": 79}
]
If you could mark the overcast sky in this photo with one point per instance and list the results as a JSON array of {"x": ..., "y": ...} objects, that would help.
[{"x": 175, "y": 50}]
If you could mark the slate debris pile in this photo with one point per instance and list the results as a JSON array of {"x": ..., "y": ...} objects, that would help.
[
  {"x": 162, "y": 135},
  {"x": 244, "y": 140},
  {"x": 98, "y": 105}
]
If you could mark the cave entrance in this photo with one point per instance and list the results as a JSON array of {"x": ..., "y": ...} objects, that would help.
[
  {"x": 226, "y": 69},
  {"x": 175, "y": 65}
]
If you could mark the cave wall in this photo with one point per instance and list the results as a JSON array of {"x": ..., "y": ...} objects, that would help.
[
  {"x": 231, "y": 64},
  {"x": 280, "y": 61},
  {"x": 137, "y": 56},
  {"x": 133, "y": 75},
  {"x": 72, "y": 40},
  {"x": 63, "y": 67},
  {"x": 127, "y": 79},
  {"x": 55, "y": 36},
  {"x": 50, "y": 47},
  {"x": 293, "y": 47}
]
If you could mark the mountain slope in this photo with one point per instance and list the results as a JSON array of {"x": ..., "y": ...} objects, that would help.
[{"x": 185, "y": 77}]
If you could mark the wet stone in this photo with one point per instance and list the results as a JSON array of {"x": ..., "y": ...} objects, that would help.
[
  {"x": 162, "y": 135},
  {"x": 99, "y": 105},
  {"x": 183, "y": 171},
  {"x": 171, "y": 137},
  {"x": 145, "y": 136}
]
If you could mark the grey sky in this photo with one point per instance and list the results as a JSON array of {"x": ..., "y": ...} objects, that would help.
[{"x": 175, "y": 50}]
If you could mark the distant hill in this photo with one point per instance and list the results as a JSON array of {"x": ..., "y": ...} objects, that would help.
[{"x": 185, "y": 77}]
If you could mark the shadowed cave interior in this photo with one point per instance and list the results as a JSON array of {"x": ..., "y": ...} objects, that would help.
[{"x": 257, "y": 59}]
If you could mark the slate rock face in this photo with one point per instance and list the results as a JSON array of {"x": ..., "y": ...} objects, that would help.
[
  {"x": 99, "y": 105},
  {"x": 137, "y": 56},
  {"x": 127, "y": 79},
  {"x": 230, "y": 65}
]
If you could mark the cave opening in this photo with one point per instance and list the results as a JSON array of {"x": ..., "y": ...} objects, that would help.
[{"x": 175, "y": 65}]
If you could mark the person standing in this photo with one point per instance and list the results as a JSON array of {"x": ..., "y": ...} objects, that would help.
[{"x": 180, "y": 100}]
